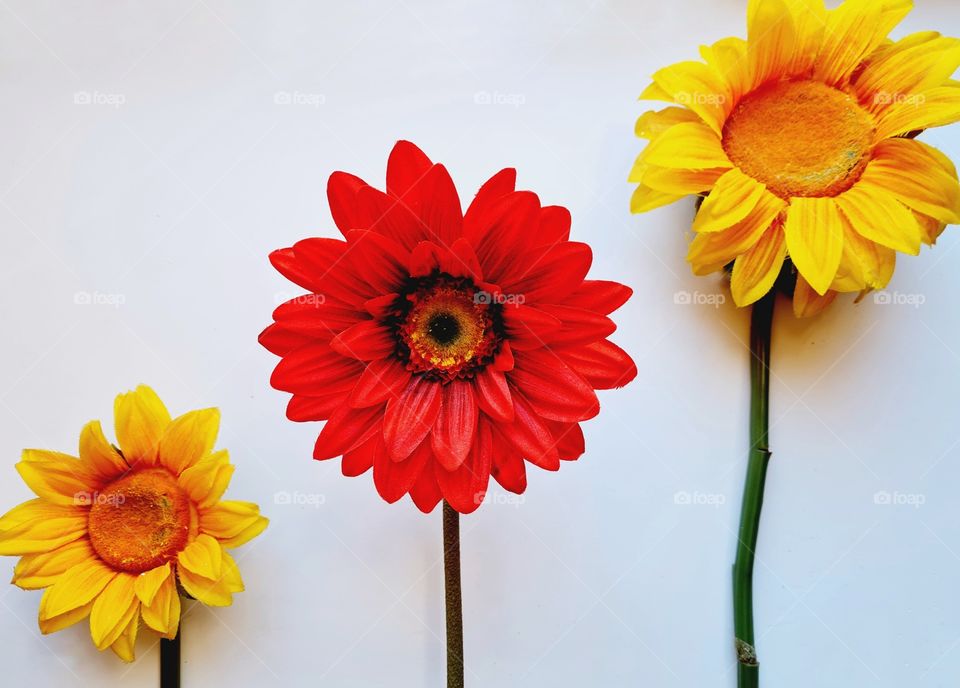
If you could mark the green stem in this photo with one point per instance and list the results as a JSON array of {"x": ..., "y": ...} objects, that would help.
[
  {"x": 451, "y": 569},
  {"x": 170, "y": 662},
  {"x": 761, "y": 322}
]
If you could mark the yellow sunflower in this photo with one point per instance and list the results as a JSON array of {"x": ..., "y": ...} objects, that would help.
[
  {"x": 113, "y": 532},
  {"x": 801, "y": 137}
]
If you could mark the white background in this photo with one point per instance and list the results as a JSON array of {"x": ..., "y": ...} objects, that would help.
[{"x": 168, "y": 205}]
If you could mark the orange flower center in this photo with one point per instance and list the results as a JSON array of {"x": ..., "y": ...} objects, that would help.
[
  {"x": 446, "y": 325},
  {"x": 800, "y": 138},
  {"x": 140, "y": 521}
]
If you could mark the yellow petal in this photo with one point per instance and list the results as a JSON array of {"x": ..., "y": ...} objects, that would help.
[
  {"x": 719, "y": 248},
  {"x": 930, "y": 229},
  {"x": 65, "y": 620},
  {"x": 698, "y": 87},
  {"x": 123, "y": 647},
  {"x": 98, "y": 454},
  {"x": 771, "y": 39},
  {"x": 810, "y": 20},
  {"x": 687, "y": 146},
  {"x": 653, "y": 123},
  {"x": 655, "y": 92},
  {"x": 865, "y": 264},
  {"x": 113, "y": 610},
  {"x": 231, "y": 574},
  {"x": 644, "y": 198},
  {"x": 140, "y": 418},
  {"x": 814, "y": 234},
  {"x": 913, "y": 173},
  {"x": 36, "y": 571},
  {"x": 755, "y": 272},
  {"x": 207, "y": 480},
  {"x": 728, "y": 57},
  {"x": 77, "y": 587},
  {"x": 853, "y": 31},
  {"x": 732, "y": 199},
  {"x": 163, "y": 612},
  {"x": 203, "y": 556},
  {"x": 880, "y": 217},
  {"x": 149, "y": 582},
  {"x": 904, "y": 71},
  {"x": 57, "y": 478},
  {"x": 808, "y": 303},
  {"x": 232, "y": 523},
  {"x": 38, "y": 526},
  {"x": 189, "y": 438},
  {"x": 681, "y": 182},
  {"x": 214, "y": 593},
  {"x": 936, "y": 107}
]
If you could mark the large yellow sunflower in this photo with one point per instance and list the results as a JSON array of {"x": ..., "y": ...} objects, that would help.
[
  {"x": 113, "y": 531},
  {"x": 802, "y": 138}
]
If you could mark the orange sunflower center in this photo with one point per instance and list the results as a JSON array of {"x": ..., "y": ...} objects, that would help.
[
  {"x": 447, "y": 328},
  {"x": 140, "y": 521},
  {"x": 800, "y": 138}
]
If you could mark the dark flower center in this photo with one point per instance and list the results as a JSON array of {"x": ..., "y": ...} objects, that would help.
[{"x": 445, "y": 328}]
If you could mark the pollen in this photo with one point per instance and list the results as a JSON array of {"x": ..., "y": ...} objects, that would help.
[
  {"x": 800, "y": 138},
  {"x": 140, "y": 521}
]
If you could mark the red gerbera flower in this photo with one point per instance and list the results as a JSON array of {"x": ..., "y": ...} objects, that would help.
[{"x": 443, "y": 347}]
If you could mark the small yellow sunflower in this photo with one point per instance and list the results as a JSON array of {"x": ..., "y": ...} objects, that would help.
[
  {"x": 113, "y": 532},
  {"x": 801, "y": 137}
]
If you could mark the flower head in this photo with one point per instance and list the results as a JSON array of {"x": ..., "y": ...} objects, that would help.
[
  {"x": 113, "y": 532},
  {"x": 802, "y": 137},
  {"x": 442, "y": 347}
]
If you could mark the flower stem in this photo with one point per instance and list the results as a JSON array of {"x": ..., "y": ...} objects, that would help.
[
  {"x": 451, "y": 569},
  {"x": 761, "y": 324},
  {"x": 170, "y": 662}
]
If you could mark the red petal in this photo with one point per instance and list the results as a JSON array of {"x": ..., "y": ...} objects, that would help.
[
  {"x": 461, "y": 261},
  {"x": 452, "y": 434},
  {"x": 554, "y": 225},
  {"x": 379, "y": 306},
  {"x": 288, "y": 265},
  {"x": 406, "y": 166},
  {"x": 600, "y": 296},
  {"x": 500, "y": 184},
  {"x": 504, "y": 359},
  {"x": 280, "y": 341},
  {"x": 326, "y": 260},
  {"x": 501, "y": 236},
  {"x": 528, "y": 327},
  {"x": 380, "y": 260},
  {"x": 360, "y": 460},
  {"x": 578, "y": 326},
  {"x": 366, "y": 341},
  {"x": 424, "y": 259},
  {"x": 553, "y": 275},
  {"x": 508, "y": 467},
  {"x": 531, "y": 436},
  {"x": 315, "y": 369},
  {"x": 603, "y": 364},
  {"x": 302, "y": 408},
  {"x": 393, "y": 479},
  {"x": 552, "y": 388},
  {"x": 465, "y": 487},
  {"x": 342, "y": 190},
  {"x": 439, "y": 207},
  {"x": 493, "y": 394},
  {"x": 570, "y": 442},
  {"x": 389, "y": 216},
  {"x": 315, "y": 316},
  {"x": 410, "y": 416},
  {"x": 425, "y": 493},
  {"x": 381, "y": 381},
  {"x": 346, "y": 430}
]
